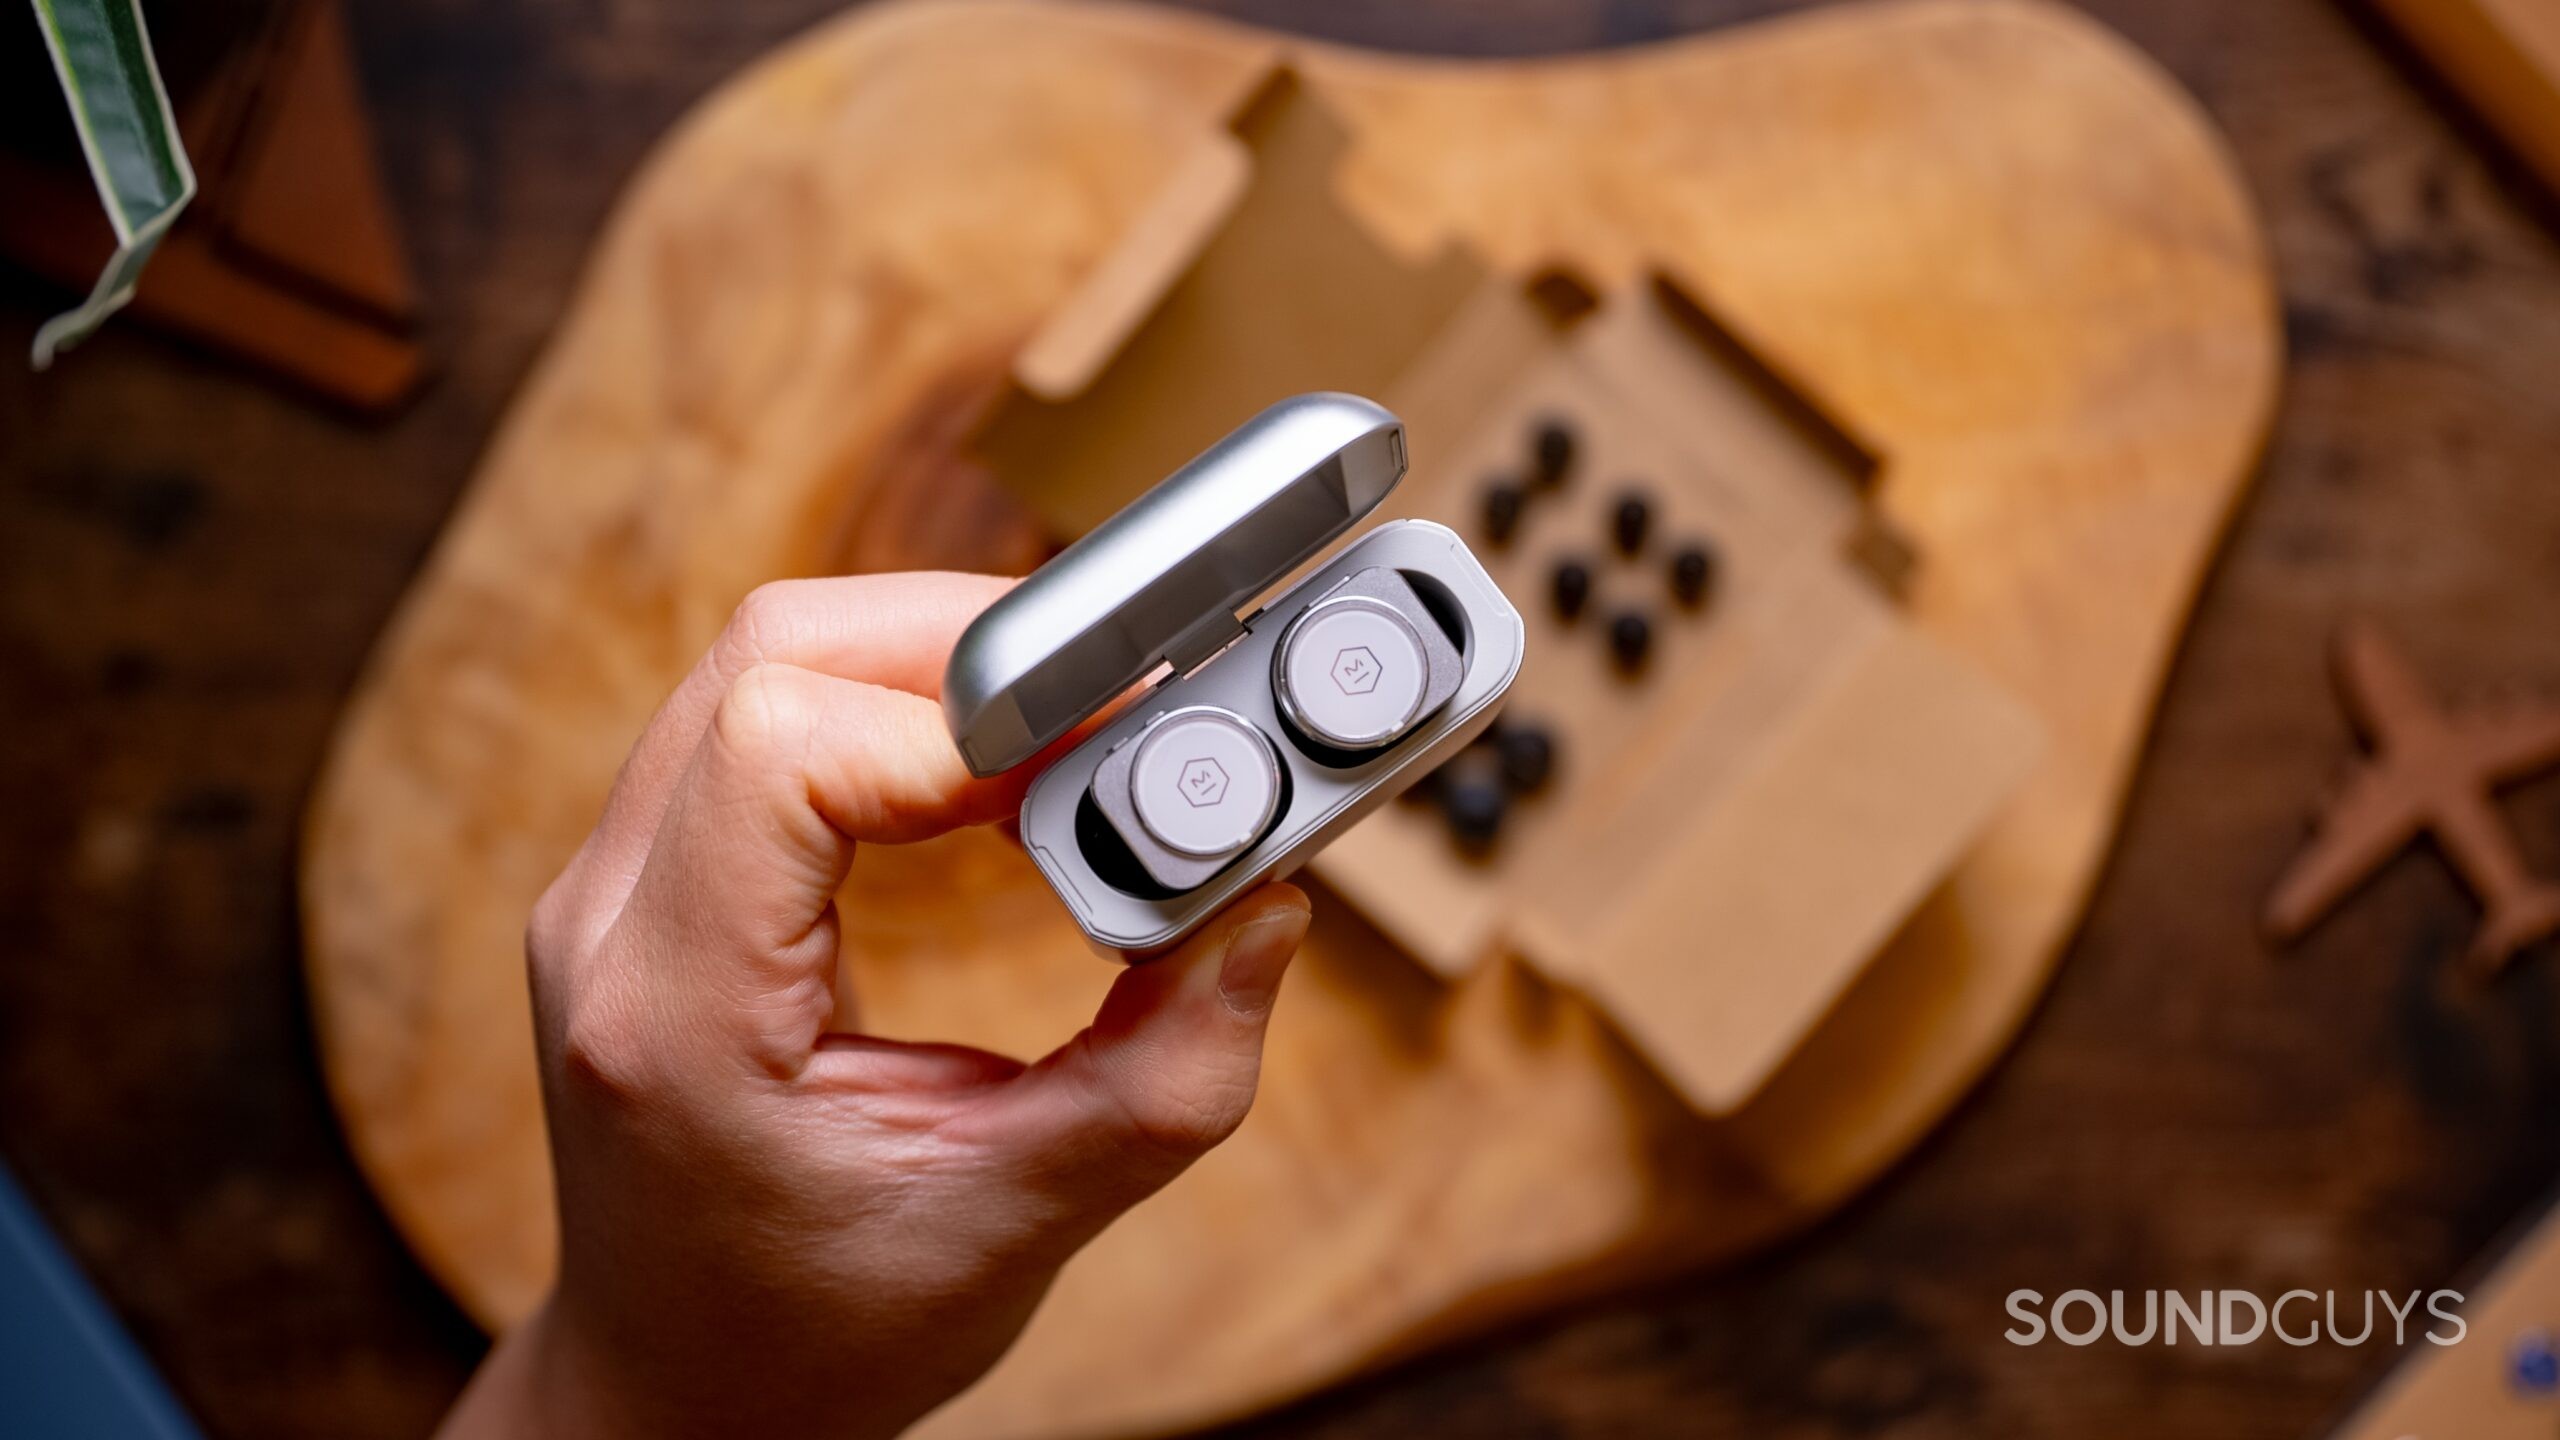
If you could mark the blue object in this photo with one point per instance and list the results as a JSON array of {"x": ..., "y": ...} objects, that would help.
[
  {"x": 67, "y": 1369},
  {"x": 2533, "y": 1364}
]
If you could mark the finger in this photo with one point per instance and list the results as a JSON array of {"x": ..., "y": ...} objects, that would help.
[
  {"x": 893, "y": 631},
  {"x": 1166, "y": 1070},
  {"x": 735, "y": 900}
]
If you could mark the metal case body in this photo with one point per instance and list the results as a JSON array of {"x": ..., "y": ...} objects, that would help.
[
  {"x": 1162, "y": 580},
  {"x": 1158, "y": 586},
  {"x": 1322, "y": 801}
]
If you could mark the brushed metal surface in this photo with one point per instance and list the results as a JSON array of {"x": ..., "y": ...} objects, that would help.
[{"x": 1172, "y": 567}]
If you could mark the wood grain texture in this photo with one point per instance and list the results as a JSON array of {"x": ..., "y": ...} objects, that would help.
[
  {"x": 193, "y": 566},
  {"x": 2504, "y": 55},
  {"x": 1997, "y": 241}
]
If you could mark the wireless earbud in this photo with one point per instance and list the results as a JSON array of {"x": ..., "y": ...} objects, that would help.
[
  {"x": 1363, "y": 664},
  {"x": 1204, "y": 782}
]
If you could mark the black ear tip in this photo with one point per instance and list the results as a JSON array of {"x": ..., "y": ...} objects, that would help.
[
  {"x": 1693, "y": 572},
  {"x": 1502, "y": 503},
  {"x": 1551, "y": 447},
  {"x": 1630, "y": 521},
  {"x": 1569, "y": 588},
  {"x": 1528, "y": 758},
  {"x": 1630, "y": 638},
  {"x": 1474, "y": 807}
]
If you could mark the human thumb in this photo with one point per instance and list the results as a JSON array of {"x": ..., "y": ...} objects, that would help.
[{"x": 1168, "y": 1067}]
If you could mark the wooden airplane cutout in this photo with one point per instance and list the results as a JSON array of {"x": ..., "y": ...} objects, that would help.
[{"x": 2433, "y": 770}]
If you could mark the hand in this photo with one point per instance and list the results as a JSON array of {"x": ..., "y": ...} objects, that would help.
[{"x": 767, "y": 1226}]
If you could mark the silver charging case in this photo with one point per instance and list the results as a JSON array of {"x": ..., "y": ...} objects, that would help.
[{"x": 1418, "y": 644}]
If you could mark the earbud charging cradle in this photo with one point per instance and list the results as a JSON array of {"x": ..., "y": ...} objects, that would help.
[{"x": 1400, "y": 635}]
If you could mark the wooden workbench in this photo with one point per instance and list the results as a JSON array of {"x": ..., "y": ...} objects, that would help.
[{"x": 192, "y": 566}]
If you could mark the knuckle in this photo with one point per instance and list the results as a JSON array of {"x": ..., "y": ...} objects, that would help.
[
  {"x": 761, "y": 628},
  {"x": 600, "y": 1059},
  {"x": 550, "y": 929},
  {"x": 555, "y": 936},
  {"x": 761, "y": 710},
  {"x": 1187, "y": 1123}
]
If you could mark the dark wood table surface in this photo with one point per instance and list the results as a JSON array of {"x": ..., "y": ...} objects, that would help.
[{"x": 193, "y": 564}]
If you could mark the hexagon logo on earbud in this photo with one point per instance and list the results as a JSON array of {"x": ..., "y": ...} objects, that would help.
[
  {"x": 1355, "y": 670},
  {"x": 1203, "y": 782}
]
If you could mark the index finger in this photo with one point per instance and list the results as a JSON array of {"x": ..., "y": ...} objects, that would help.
[{"x": 891, "y": 631}]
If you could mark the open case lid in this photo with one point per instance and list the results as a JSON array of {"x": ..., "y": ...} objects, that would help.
[{"x": 1161, "y": 581}]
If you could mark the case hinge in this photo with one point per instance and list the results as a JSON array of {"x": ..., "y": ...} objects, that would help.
[{"x": 1196, "y": 646}]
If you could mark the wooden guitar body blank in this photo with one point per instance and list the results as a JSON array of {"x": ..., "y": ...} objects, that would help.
[{"x": 2010, "y": 254}]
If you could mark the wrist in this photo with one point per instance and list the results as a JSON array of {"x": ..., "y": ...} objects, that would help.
[
  {"x": 570, "y": 1381},
  {"x": 539, "y": 1380}
]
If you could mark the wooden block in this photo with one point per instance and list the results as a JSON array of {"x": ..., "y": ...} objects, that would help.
[
  {"x": 2504, "y": 55},
  {"x": 306, "y": 196},
  {"x": 195, "y": 288},
  {"x": 289, "y": 256}
]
